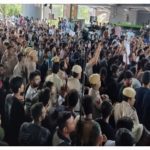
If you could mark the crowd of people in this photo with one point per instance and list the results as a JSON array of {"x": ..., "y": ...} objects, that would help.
[{"x": 58, "y": 89}]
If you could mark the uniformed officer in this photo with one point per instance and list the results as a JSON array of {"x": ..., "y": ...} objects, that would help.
[
  {"x": 54, "y": 76},
  {"x": 95, "y": 82},
  {"x": 74, "y": 83},
  {"x": 125, "y": 108},
  {"x": 30, "y": 60},
  {"x": 55, "y": 59}
]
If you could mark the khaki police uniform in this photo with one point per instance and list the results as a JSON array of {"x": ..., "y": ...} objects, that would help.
[
  {"x": 95, "y": 79},
  {"x": 74, "y": 83},
  {"x": 56, "y": 80},
  {"x": 124, "y": 108}
]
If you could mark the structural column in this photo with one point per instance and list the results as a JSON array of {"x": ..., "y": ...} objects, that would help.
[
  {"x": 74, "y": 11},
  {"x": 67, "y": 10},
  {"x": 46, "y": 12},
  {"x": 70, "y": 11}
]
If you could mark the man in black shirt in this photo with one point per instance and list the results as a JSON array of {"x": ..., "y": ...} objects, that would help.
[
  {"x": 33, "y": 134},
  {"x": 124, "y": 137},
  {"x": 127, "y": 82},
  {"x": 2, "y": 90},
  {"x": 15, "y": 113},
  {"x": 88, "y": 131},
  {"x": 106, "y": 111},
  {"x": 146, "y": 110},
  {"x": 72, "y": 99},
  {"x": 112, "y": 84},
  {"x": 140, "y": 93}
]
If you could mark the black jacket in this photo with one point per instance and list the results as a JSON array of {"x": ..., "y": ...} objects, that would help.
[
  {"x": 17, "y": 117},
  {"x": 106, "y": 129},
  {"x": 140, "y": 93},
  {"x": 34, "y": 135},
  {"x": 146, "y": 110}
]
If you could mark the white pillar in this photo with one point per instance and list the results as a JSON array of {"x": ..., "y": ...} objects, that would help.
[
  {"x": 46, "y": 12},
  {"x": 94, "y": 11},
  {"x": 42, "y": 11}
]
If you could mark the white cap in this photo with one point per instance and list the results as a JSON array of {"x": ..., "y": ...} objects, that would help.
[{"x": 76, "y": 69}]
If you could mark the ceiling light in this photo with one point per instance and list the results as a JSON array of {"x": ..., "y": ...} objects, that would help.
[
  {"x": 148, "y": 9},
  {"x": 126, "y": 10}
]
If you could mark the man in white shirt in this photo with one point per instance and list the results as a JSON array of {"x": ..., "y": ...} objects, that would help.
[
  {"x": 118, "y": 31},
  {"x": 32, "y": 90},
  {"x": 20, "y": 69},
  {"x": 35, "y": 79},
  {"x": 130, "y": 35}
]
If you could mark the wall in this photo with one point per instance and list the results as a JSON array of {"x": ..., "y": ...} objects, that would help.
[
  {"x": 133, "y": 16},
  {"x": 143, "y": 17},
  {"x": 118, "y": 14},
  {"x": 32, "y": 10}
]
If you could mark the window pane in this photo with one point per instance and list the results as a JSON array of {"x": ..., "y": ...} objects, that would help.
[
  {"x": 57, "y": 10},
  {"x": 84, "y": 13}
]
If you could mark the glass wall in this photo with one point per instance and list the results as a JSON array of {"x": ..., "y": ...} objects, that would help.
[
  {"x": 57, "y": 10},
  {"x": 84, "y": 13}
]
